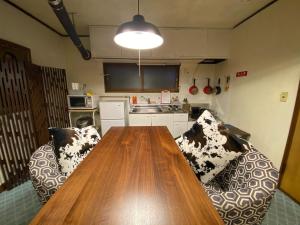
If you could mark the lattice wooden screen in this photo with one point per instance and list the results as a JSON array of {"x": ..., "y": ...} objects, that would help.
[
  {"x": 39, "y": 109},
  {"x": 55, "y": 89},
  {"x": 17, "y": 136}
]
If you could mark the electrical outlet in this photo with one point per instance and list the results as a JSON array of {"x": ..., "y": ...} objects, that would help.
[{"x": 284, "y": 96}]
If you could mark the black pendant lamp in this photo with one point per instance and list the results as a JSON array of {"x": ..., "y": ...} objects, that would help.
[{"x": 138, "y": 34}]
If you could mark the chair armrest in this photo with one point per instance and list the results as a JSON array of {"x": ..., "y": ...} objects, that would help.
[
  {"x": 47, "y": 184},
  {"x": 44, "y": 172},
  {"x": 248, "y": 206}
]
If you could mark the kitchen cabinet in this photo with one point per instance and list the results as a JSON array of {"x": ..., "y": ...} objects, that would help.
[
  {"x": 179, "y": 128},
  {"x": 217, "y": 44},
  {"x": 194, "y": 44},
  {"x": 162, "y": 120},
  {"x": 180, "y": 117},
  {"x": 180, "y": 121},
  {"x": 178, "y": 43},
  {"x": 102, "y": 43},
  {"x": 177, "y": 123},
  {"x": 134, "y": 54},
  {"x": 167, "y": 50},
  {"x": 139, "y": 119}
]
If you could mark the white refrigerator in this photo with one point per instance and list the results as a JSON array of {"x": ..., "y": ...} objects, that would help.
[{"x": 113, "y": 114}]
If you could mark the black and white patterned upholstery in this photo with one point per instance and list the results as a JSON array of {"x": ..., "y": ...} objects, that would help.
[
  {"x": 72, "y": 145},
  {"x": 243, "y": 190},
  {"x": 207, "y": 149},
  {"x": 44, "y": 172}
]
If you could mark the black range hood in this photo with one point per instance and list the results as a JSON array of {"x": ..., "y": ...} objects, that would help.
[{"x": 211, "y": 61}]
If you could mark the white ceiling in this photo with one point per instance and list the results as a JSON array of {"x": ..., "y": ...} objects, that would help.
[{"x": 163, "y": 13}]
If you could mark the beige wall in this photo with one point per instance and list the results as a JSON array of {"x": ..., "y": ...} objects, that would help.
[
  {"x": 46, "y": 46},
  {"x": 91, "y": 73},
  {"x": 268, "y": 46}
]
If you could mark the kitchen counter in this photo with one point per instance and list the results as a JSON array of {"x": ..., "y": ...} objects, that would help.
[
  {"x": 175, "y": 119},
  {"x": 162, "y": 112},
  {"x": 156, "y": 109}
]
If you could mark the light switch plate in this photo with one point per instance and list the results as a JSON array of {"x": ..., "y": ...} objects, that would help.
[{"x": 284, "y": 96}]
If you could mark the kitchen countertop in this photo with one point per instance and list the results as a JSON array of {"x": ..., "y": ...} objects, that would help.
[
  {"x": 153, "y": 109},
  {"x": 162, "y": 112}
]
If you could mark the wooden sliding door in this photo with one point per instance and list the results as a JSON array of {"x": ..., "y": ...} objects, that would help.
[{"x": 290, "y": 169}]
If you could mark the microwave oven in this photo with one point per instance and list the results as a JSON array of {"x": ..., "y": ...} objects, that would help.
[{"x": 82, "y": 101}]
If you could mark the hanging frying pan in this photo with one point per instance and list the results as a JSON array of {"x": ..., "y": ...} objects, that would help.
[
  {"x": 193, "y": 89},
  {"x": 218, "y": 87},
  {"x": 208, "y": 89}
]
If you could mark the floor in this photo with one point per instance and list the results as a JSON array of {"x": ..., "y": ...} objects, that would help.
[
  {"x": 283, "y": 211},
  {"x": 19, "y": 205}
]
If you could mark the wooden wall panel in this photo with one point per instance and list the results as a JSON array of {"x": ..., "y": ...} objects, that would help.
[
  {"x": 55, "y": 90},
  {"x": 17, "y": 135}
]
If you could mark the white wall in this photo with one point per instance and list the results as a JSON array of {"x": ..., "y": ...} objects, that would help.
[
  {"x": 46, "y": 46},
  {"x": 268, "y": 46},
  {"x": 91, "y": 73}
]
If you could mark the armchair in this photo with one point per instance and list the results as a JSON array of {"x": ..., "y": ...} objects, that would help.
[{"x": 243, "y": 190}]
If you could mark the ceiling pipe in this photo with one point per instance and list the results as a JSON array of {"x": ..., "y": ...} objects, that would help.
[{"x": 61, "y": 13}]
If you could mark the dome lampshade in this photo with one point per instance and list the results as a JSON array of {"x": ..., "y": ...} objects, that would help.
[{"x": 138, "y": 34}]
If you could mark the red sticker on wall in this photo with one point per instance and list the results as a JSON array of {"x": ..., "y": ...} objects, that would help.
[{"x": 242, "y": 74}]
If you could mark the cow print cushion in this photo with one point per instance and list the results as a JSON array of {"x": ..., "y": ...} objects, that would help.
[
  {"x": 208, "y": 148},
  {"x": 72, "y": 145}
]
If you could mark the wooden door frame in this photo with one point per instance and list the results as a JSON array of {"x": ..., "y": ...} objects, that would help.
[{"x": 290, "y": 140}]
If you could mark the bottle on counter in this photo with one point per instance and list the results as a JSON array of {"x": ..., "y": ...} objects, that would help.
[{"x": 134, "y": 100}]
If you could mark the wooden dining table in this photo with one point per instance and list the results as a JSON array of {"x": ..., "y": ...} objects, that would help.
[{"x": 133, "y": 176}]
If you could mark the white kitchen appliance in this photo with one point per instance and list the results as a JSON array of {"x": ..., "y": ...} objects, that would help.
[
  {"x": 113, "y": 113},
  {"x": 82, "y": 101}
]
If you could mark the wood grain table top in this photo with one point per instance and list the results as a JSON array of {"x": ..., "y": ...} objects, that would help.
[{"x": 134, "y": 176}]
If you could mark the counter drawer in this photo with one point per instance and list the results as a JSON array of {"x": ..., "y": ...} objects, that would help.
[
  {"x": 180, "y": 117},
  {"x": 179, "y": 128},
  {"x": 139, "y": 119}
]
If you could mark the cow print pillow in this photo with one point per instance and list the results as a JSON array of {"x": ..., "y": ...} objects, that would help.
[
  {"x": 72, "y": 145},
  {"x": 207, "y": 148}
]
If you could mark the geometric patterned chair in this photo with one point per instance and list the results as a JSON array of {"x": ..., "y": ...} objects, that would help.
[
  {"x": 242, "y": 192},
  {"x": 44, "y": 173}
]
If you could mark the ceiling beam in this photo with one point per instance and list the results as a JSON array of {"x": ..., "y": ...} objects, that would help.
[
  {"x": 86, "y": 35},
  {"x": 253, "y": 14},
  {"x": 38, "y": 20}
]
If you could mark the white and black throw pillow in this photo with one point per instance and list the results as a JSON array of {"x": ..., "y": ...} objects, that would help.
[
  {"x": 208, "y": 149},
  {"x": 72, "y": 145}
]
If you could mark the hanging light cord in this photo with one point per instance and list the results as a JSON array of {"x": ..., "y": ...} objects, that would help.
[
  {"x": 139, "y": 62},
  {"x": 139, "y": 49}
]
